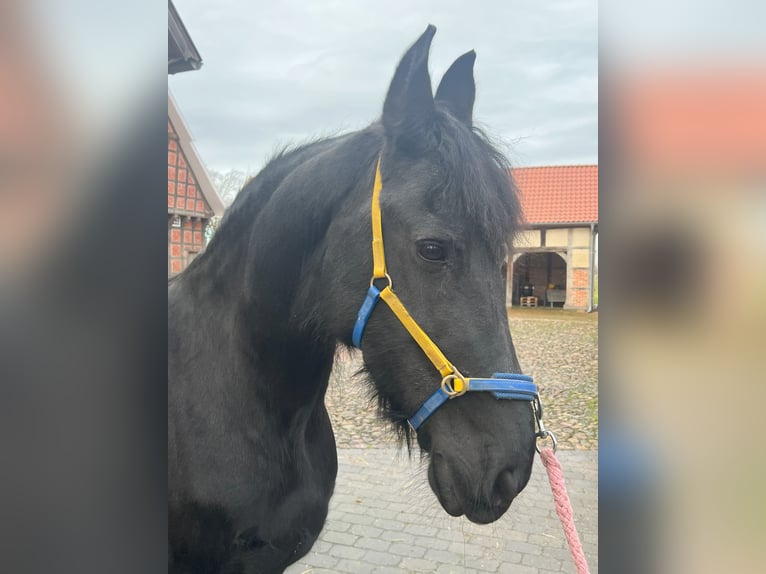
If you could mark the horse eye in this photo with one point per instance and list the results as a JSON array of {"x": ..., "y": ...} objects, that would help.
[{"x": 432, "y": 251}]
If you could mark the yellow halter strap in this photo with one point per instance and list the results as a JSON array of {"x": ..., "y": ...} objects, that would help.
[{"x": 453, "y": 382}]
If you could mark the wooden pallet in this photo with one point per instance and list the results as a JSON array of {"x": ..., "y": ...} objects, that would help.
[{"x": 528, "y": 301}]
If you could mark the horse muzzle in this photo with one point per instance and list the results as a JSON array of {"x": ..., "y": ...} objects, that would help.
[
  {"x": 481, "y": 452},
  {"x": 483, "y": 498}
]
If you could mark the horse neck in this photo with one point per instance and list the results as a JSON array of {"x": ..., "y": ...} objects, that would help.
[{"x": 249, "y": 277}]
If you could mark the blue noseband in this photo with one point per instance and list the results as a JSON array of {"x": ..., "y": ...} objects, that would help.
[{"x": 502, "y": 385}]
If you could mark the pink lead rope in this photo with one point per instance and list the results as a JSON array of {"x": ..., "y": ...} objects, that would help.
[{"x": 564, "y": 508}]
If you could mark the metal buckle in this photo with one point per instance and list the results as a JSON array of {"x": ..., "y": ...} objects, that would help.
[
  {"x": 542, "y": 433},
  {"x": 449, "y": 388}
]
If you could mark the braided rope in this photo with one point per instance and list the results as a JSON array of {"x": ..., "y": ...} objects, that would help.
[{"x": 564, "y": 508}]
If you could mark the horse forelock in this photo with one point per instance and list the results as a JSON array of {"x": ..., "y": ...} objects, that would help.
[{"x": 476, "y": 184}]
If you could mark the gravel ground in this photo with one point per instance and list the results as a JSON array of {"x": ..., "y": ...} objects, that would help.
[{"x": 558, "y": 348}]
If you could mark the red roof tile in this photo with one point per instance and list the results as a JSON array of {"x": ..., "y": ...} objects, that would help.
[{"x": 558, "y": 194}]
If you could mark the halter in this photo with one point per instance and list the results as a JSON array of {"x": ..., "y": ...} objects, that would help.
[{"x": 454, "y": 384}]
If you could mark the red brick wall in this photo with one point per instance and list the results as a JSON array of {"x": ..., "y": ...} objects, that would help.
[
  {"x": 184, "y": 195},
  {"x": 186, "y": 201},
  {"x": 579, "y": 298},
  {"x": 184, "y": 242},
  {"x": 578, "y": 290}
]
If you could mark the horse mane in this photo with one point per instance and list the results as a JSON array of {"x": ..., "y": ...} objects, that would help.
[{"x": 250, "y": 201}]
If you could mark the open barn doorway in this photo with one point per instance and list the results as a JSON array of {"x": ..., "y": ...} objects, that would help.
[{"x": 542, "y": 275}]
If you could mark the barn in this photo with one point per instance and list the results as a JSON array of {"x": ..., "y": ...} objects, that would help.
[
  {"x": 192, "y": 198},
  {"x": 554, "y": 258}
]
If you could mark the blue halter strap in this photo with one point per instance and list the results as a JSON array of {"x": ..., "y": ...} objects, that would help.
[{"x": 509, "y": 386}]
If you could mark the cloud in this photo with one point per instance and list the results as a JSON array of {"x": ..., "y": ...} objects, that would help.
[{"x": 289, "y": 71}]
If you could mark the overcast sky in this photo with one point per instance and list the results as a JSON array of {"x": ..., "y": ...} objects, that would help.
[{"x": 281, "y": 72}]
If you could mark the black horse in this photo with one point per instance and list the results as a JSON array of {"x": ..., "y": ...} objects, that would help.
[{"x": 254, "y": 321}]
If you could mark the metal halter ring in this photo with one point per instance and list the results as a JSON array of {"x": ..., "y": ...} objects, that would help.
[
  {"x": 449, "y": 388},
  {"x": 387, "y": 277}
]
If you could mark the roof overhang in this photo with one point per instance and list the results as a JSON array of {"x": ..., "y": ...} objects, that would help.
[
  {"x": 183, "y": 55},
  {"x": 193, "y": 159},
  {"x": 560, "y": 224},
  {"x": 558, "y": 195}
]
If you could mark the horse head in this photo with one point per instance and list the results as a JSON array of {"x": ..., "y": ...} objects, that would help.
[{"x": 448, "y": 209}]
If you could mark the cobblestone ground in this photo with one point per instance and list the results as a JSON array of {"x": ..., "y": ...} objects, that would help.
[
  {"x": 559, "y": 349},
  {"x": 384, "y": 519}
]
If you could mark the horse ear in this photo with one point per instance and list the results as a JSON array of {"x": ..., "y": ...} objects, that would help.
[
  {"x": 409, "y": 101},
  {"x": 457, "y": 90}
]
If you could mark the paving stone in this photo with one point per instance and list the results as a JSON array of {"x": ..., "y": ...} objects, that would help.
[
  {"x": 442, "y": 556},
  {"x": 437, "y": 543},
  {"x": 407, "y": 550},
  {"x": 541, "y": 562},
  {"x": 397, "y": 536},
  {"x": 373, "y": 544},
  {"x": 385, "y": 514},
  {"x": 418, "y": 565},
  {"x": 321, "y": 546},
  {"x": 547, "y": 540},
  {"x": 538, "y": 526},
  {"x": 493, "y": 543},
  {"x": 517, "y": 569},
  {"x": 452, "y": 569},
  {"x": 338, "y": 537},
  {"x": 381, "y": 558},
  {"x": 355, "y": 567},
  {"x": 508, "y": 557},
  {"x": 420, "y": 530},
  {"x": 561, "y": 554},
  {"x": 346, "y": 552},
  {"x": 320, "y": 560},
  {"x": 337, "y": 525},
  {"x": 454, "y": 534},
  {"x": 485, "y": 564},
  {"x": 365, "y": 530},
  {"x": 461, "y": 549},
  {"x": 359, "y": 518},
  {"x": 524, "y": 547},
  {"x": 386, "y": 524}
]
